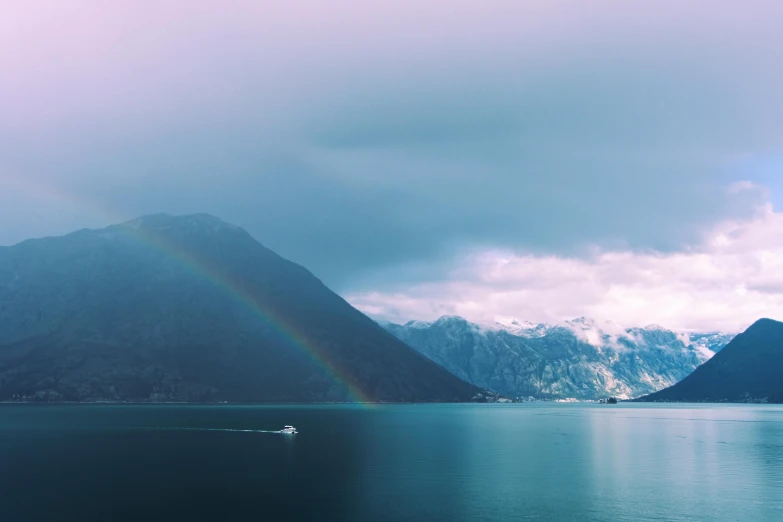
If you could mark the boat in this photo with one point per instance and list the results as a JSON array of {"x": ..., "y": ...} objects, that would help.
[{"x": 288, "y": 429}]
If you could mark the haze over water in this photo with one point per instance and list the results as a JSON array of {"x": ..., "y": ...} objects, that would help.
[{"x": 393, "y": 462}]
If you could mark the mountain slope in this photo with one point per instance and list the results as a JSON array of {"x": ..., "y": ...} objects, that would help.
[
  {"x": 748, "y": 369},
  {"x": 191, "y": 308},
  {"x": 580, "y": 358}
]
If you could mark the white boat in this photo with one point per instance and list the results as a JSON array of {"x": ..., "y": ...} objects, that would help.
[{"x": 288, "y": 429}]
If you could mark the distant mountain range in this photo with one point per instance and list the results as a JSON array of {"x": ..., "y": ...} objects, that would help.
[
  {"x": 748, "y": 369},
  {"x": 191, "y": 308},
  {"x": 579, "y": 359}
]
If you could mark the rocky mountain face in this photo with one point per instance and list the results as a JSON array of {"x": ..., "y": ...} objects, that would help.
[
  {"x": 577, "y": 359},
  {"x": 748, "y": 369},
  {"x": 191, "y": 309}
]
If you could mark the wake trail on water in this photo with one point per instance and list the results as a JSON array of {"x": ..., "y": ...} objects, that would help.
[{"x": 215, "y": 429}]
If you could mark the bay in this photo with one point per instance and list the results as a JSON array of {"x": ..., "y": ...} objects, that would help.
[{"x": 449, "y": 462}]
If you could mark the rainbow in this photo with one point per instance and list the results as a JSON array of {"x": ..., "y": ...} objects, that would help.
[{"x": 201, "y": 268}]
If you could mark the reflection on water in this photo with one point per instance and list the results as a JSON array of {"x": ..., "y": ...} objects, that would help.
[
  {"x": 687, "y": 462},
  {"x": 396, "y": 462}
]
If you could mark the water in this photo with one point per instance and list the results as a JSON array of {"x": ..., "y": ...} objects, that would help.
[{"x": 395, "y": 462}]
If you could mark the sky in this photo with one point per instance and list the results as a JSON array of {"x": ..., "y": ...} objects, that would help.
[{"x": 537, "y": 160}]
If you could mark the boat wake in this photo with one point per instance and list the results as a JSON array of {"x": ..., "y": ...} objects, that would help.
[{"x": 174, "y": 428}]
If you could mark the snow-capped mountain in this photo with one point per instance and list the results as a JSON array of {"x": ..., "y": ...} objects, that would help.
[{"x": 581, "y": 358}]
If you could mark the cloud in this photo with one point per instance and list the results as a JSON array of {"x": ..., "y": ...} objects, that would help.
[
  {"x": 703, "y": 352},
  {"x": 601, "y": 334},
  {"x": 372, "y": 140},
  {"x": 733, "y": 277}
]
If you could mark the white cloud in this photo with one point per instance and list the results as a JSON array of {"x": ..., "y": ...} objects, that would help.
[
  {"x": 729, "y": 280},
  {"x": 742, "y": 186}
]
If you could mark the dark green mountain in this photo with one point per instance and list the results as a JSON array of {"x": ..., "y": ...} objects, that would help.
[
  {"x": 748, "y": 369},
  {"x": 191, "y": 309}
]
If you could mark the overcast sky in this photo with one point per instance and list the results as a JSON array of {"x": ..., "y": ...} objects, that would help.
[{"x": 539, "y": 160}]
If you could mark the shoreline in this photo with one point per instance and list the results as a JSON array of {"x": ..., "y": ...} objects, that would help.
[{"x": 186, "y": 403}]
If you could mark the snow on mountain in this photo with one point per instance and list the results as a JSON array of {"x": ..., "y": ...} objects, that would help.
[
  {"x": 578, "y": 358},
  {"x": 708, "y": 343},
  {"x": 417, "y": 324},
  {"x": 516, "y": 327}
]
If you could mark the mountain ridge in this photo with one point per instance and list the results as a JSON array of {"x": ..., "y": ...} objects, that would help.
[
  {"x": 516, "y": 326},
  {"x": 574, "y": 359}
]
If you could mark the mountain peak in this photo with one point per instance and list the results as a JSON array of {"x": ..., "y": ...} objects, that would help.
[
  {"x": 584, "y": 322},
  {"x": 417, "y": 324},
  {"x": 763, "y": 325},
  {"x": 517, "y": 327},
  {"x": 655, "y": 328},
  {"x": 163, "y": 220},
  {"x": 449, "y": 319}
]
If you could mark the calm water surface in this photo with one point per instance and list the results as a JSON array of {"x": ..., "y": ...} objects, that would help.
[{"x": 395, "y": 462}]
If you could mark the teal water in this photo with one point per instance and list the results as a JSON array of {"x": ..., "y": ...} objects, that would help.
[{"x": 391, "y": 462}]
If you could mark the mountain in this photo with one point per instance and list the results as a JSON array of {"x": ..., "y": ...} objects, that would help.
[
  {"x": 191, "y": 309},
  {"x": 712, "y": 342},
  {"x": 577, "y": 359},
  {"x": 748, "y": 369}
]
